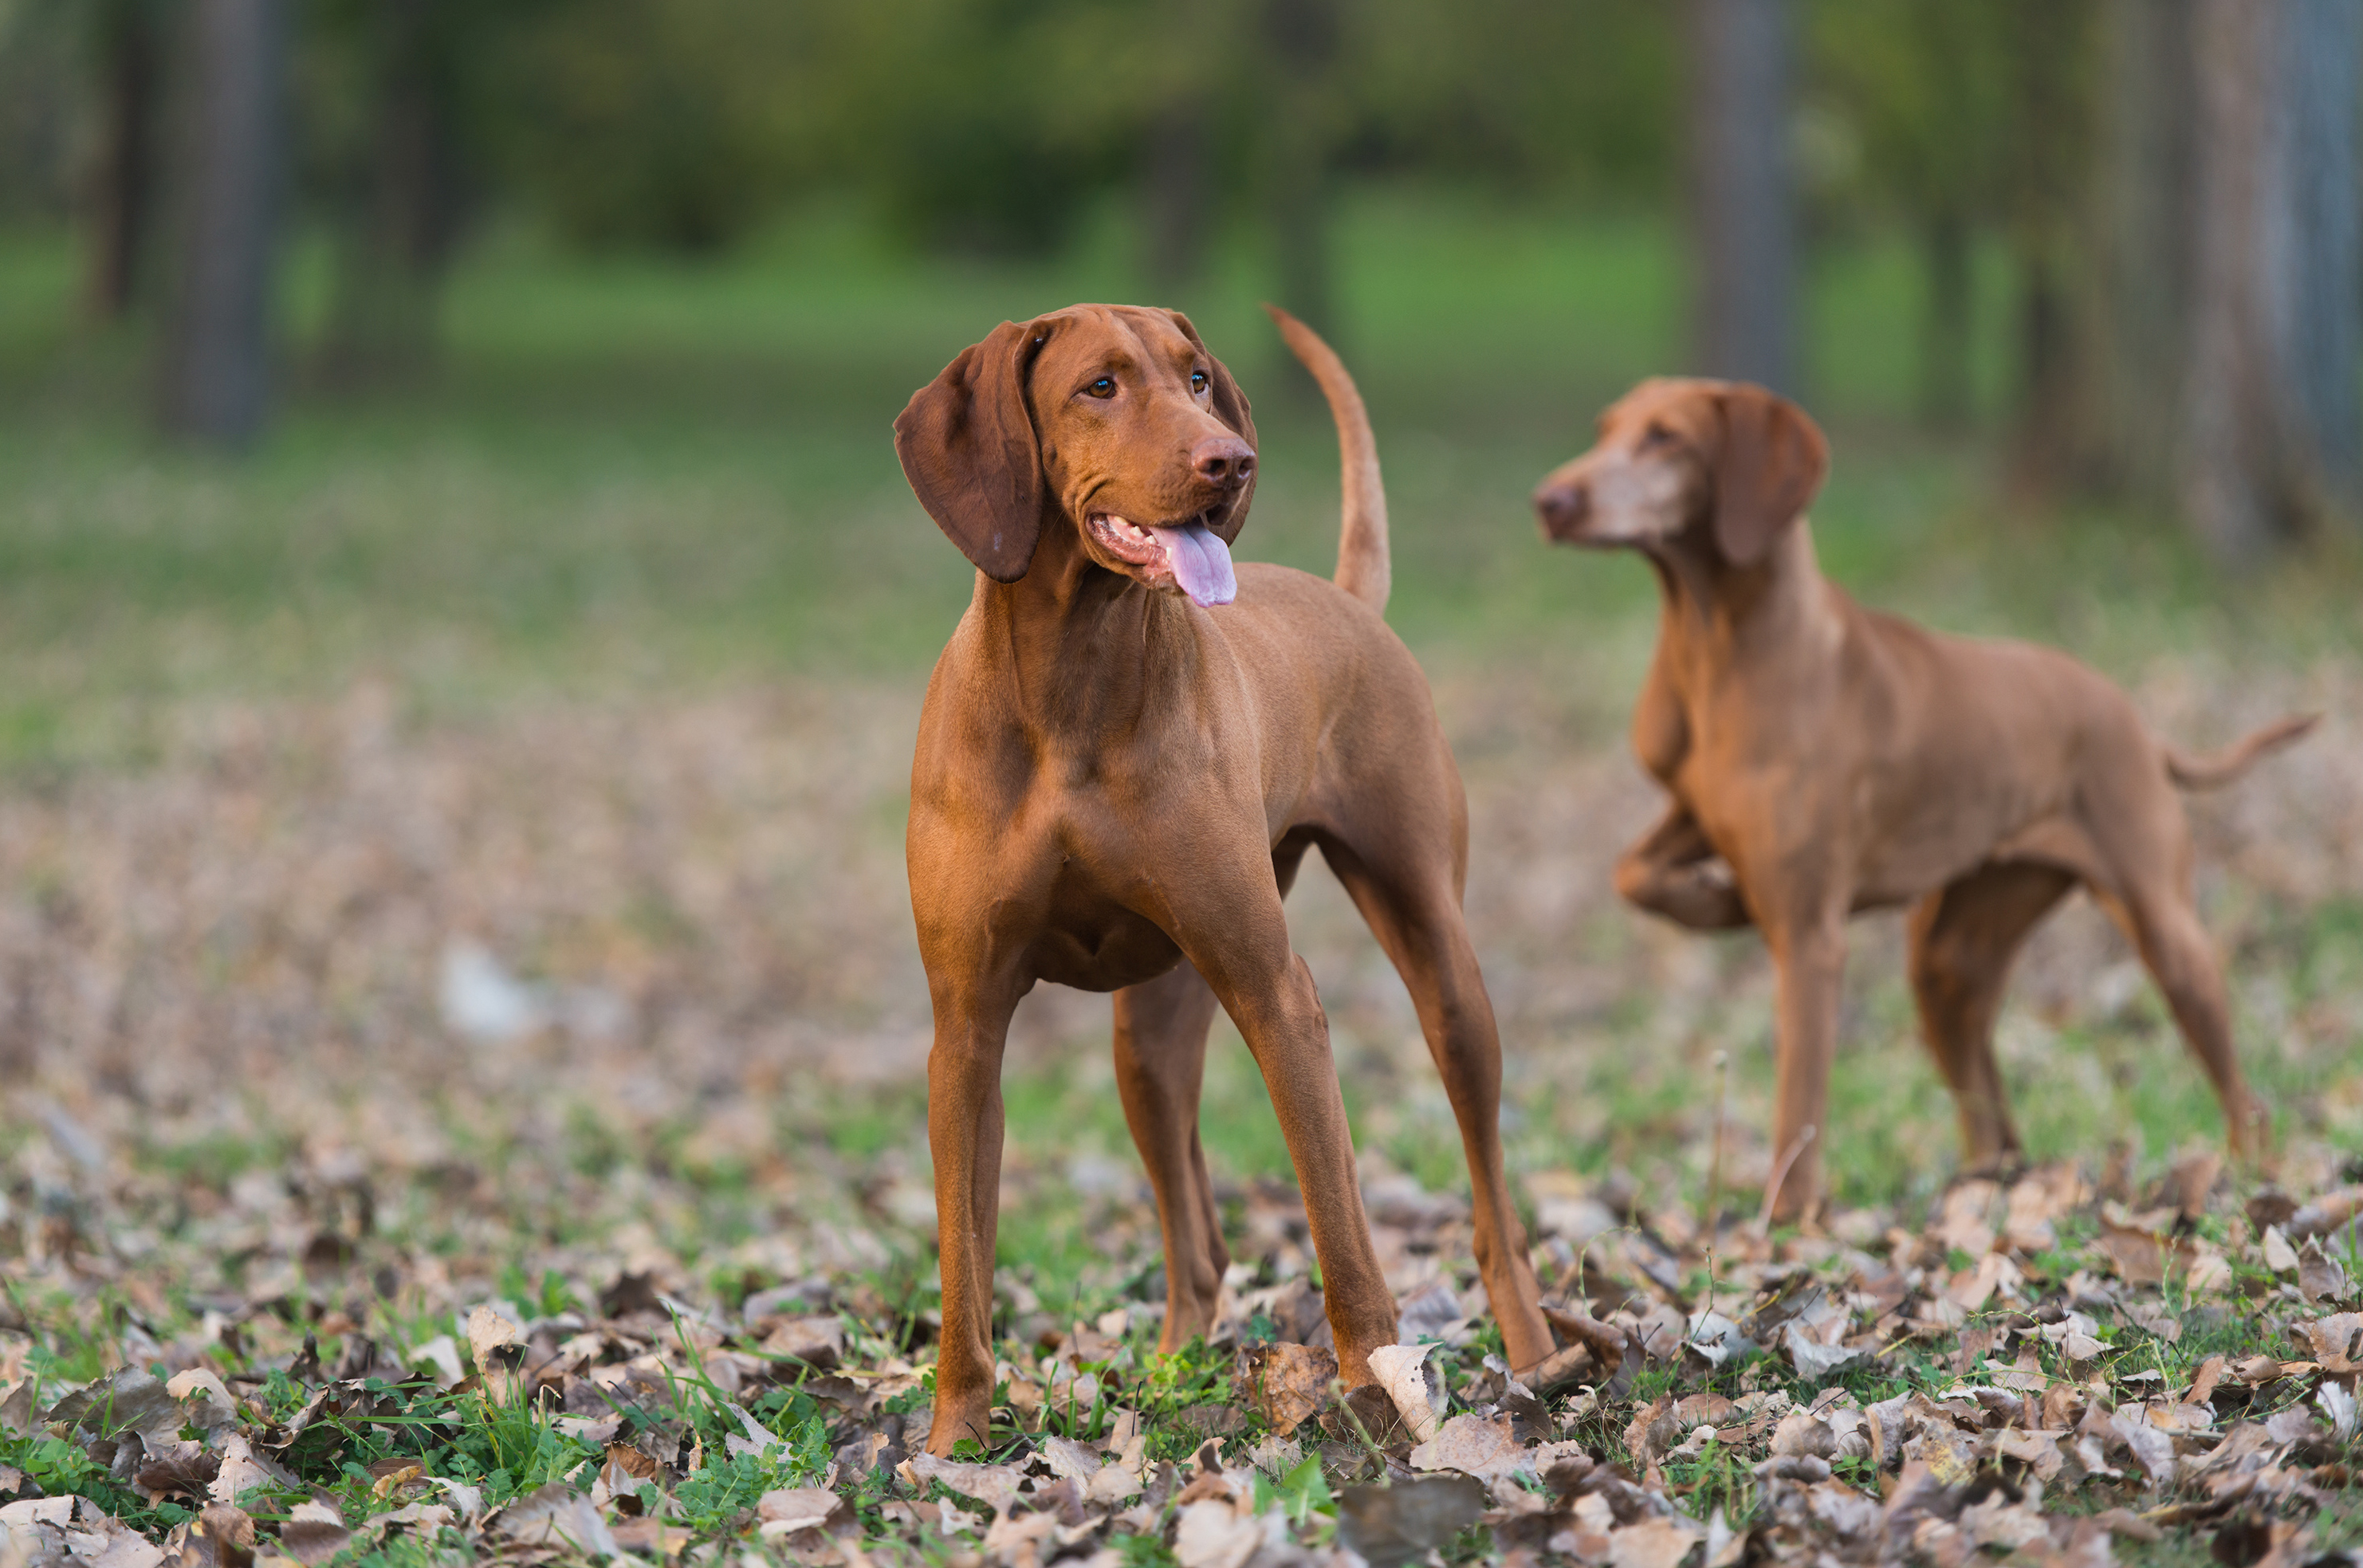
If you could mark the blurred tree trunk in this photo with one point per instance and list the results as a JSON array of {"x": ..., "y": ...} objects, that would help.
[
  {"x": 402, "y": 215},
  {"x": 2147, "y": 148},
  {"x": 231, "y": 146},
  {"x": 1945, "y": 389},
  {"x": 1174, "y": 235},
  {"x": 1743, "y": 238},
  {"x": 121, "y": 182},
  {"x": 1944, "y": 38},
  {"x": 2270, "y": 419},
  {"x": 2056, "y": 440},
  {"x": 2324, "y": 321},
  {"x": 1304, "y": 46}
]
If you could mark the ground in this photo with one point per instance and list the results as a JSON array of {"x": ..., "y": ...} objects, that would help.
[{"x": 452, "y": 934}]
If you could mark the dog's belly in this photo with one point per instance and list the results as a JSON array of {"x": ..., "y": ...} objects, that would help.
[{"x": 1094, "y": 945}]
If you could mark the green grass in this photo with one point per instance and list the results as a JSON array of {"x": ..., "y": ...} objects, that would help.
[{"x": 636, "y": 473}]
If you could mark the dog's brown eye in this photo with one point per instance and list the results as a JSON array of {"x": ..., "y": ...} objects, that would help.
[
  {"x": 1104, "y": 387},
  {"x": 1655, "y": 435},
  {"x": 1198, "y": 382}
]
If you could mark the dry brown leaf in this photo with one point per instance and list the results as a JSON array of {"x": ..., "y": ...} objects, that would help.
[
  {"x": 2138, "y": 1255},
  {"x": 488, "y": 1331},
  {"x": 1474, "y": 1446},
  {"x": 202, "y": 1396},
  {"x": 994, "y": 1485},
  {"x": 2336, "y": 1341},
  {"x": 2326, "y": 1213},
  {"x": 187, "y": 1470},
  {"x": 1401, "y": 1371},
  {"x": 221, "y": 1535},
  {"x": 1965, "y": 1221},
  {"x": 1653, "y": 1543},
  {"x": 2319, "y": 1276},
  {"x": 799, "y": 1508},
  {"x": 314, "y": 1533},
  {"x": 1287, "y": 1383},
  {"x": 1392, "y": 1526},
  {"x": 818, "y": 1343},
  {"x": 554, "y": 1515}
]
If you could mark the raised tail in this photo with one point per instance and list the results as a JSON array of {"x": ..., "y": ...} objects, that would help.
[
  {"x": 1363, "y": 569},
  {"x": 2221, "y": 768}
]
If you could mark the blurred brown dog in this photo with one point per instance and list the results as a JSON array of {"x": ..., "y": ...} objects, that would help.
[
  {"x": 1125, "y": 752},
  {"x": 1825, "y": 758}
]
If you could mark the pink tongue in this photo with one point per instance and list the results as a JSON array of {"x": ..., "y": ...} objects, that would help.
[{"x": 1201, "y": 563}]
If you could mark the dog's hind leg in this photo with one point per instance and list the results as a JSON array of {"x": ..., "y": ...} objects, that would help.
[
  {"x": 1161, "y": 1058},
  {"x": 2143, "y": 840},
  {"x": 2159, "y": 920},
  {"x": 1963, "y": 937},
  {"x": 1417, "y": 917}
]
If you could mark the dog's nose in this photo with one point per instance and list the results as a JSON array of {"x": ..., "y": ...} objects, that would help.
[
  {"x": 1222, "y": 459},
  {"x": 1562, "y": 507}
]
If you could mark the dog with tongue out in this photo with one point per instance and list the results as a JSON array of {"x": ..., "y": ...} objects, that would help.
[{"x": 1128, "y": 748}]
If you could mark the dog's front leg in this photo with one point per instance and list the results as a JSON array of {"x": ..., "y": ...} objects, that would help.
[
  {"x": 1809, "y": 950},
  {"x": 1673, "y": 870},
  {"x": 1269, "y": 994},
  {"x": 964, "y": 1133}
]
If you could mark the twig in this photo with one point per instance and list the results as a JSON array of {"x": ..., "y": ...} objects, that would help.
[
  {"x": 1713, "y": 1215},
  {"x": 1781, "y": 1175},
  {"x": 1715, "y": 1161}
]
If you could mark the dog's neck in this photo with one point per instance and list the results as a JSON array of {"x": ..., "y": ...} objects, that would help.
[
  {"x": 1072, "y": 647},
  {"x": 1718, "y": 616}
]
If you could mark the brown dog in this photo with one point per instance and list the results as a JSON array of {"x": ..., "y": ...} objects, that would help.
[
  {"x": 1125, "y": 753},
  {"x": 1825, "y": 759}
]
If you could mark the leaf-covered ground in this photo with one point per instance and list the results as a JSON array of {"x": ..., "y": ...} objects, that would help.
[
  {"x": 2039, "y": 1369},
  {"x": 501, "y": 1136}
]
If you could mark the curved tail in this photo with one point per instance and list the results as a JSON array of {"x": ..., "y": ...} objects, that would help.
[
  {"x": 2220, "y": 767},
  {"x": 1363, "y": 569}
]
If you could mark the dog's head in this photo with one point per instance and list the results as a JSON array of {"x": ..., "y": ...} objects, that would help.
[
  {"x": 1109, "y": 419},
  {"x": 1675, "y": 456}
]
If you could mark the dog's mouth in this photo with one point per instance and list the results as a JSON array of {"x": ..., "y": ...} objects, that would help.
[{"x": 1187, "y": 555}]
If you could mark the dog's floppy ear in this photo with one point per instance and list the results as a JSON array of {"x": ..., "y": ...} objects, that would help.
[
  {"x": 1231, "y": 408},
  {"x": 1773, "y": 463},
  {"x": 968, "y": 446}
]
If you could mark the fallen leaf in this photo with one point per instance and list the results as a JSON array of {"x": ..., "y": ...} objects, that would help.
[
  {"x": 994, "y": 1485},
  {"x": 818, "y": 1343},
  {"x": 314, "y": 1533},
  {"x": 488, "y": 1331},
  {"x": 1653, "y": 1543},
  {"x": 1475, "y": 1446},
  {"x": 186, "y": 1472},
  {"x": 798, "y": 1508},
  {"x": 2138, "y": 1255},
  {"x": 2319, "y": 1277},
  {"x": 126, "y": 1400},
  {"x": 202, "y": 1396},
  {"x": 440, "y": 1356},
  {"x": 1392, "y": 1526},
  {"x": 554, "y": 1515},
  {"x": 1815, "y": 1361},
  {"x": 2337, "y": 1341},
  {"x": 1401, "y": 1371},
  {"x": 1213, "y": 1534},
  {"x": 1287, "y": 1383},
  {"x": 221, "y": 1535}
]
